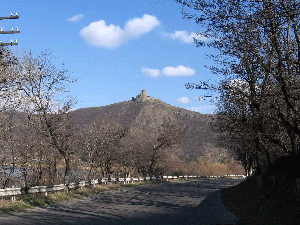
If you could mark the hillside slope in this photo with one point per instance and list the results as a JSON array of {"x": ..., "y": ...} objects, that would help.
[{"x": 198, "y": 133}]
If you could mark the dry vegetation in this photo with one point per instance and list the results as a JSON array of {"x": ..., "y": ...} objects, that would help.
[
  {"x": 42, "y": 142},
  {"x": 24, "y": 202}
]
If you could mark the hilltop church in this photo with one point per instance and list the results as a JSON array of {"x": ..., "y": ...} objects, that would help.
[{"x": 142, "y": 97}]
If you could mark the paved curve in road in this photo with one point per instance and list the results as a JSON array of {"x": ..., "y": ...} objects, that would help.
[{"x": 188, "y": 202}]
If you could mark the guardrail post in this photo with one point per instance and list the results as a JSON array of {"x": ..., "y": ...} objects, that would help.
[
  {"x": 25, "y": 190},
  {"x": 12, "y": 192}
]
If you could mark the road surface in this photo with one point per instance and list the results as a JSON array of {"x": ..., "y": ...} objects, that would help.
[{"x": 188, "y": 202}]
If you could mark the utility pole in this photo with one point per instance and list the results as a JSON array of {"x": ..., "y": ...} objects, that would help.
[{"x": 12, "y": 31}]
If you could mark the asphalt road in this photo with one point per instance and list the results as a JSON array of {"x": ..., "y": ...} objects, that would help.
[{"x": 189, "y": 202}]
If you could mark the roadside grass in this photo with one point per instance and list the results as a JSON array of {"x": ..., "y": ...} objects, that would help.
[
  {"x": 8, "y": 206},
  {"x": 39, "y": 200},
  {"x": 262, "y": 206},
  {"x": 137, "y": 184}
]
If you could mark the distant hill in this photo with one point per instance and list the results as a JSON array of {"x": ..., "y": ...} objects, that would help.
[
  {"x": 199, "y": 136},
  {"x": 198, "y": 133}
]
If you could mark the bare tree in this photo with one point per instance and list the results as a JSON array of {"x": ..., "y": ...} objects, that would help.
[
  {"x": 102, "y": 146},
  {"x": 42, "y": 96},
  {"x": 259, "y": 49},
  {"x": 8, "y": 150},
  {"x": 8, "y": 86},
  {"x": 149, "y": 145},
  {"x": 8, "y": 79}
]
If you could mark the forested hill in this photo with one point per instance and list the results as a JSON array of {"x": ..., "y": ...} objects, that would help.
[{"x": 198, "y": 133}]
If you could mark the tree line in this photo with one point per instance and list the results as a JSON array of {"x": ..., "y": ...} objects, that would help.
[
  {"x": 36, "y": 130},
  {"x": 40, "y": 143},
  {"x": 259, "y": 63}
]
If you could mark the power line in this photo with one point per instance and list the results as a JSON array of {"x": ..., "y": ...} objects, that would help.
[{"x": 12, "y": 31}]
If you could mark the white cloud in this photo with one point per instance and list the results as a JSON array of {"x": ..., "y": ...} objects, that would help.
[
  {"x": 184, "y": 36},
  {"x": 112, "y": 36},
  {"x": 205, "y": 109},
  {"x": 180, "y": 70},
  {"x": 151, "y": 72},
  {"x": 136, "y": 27},
  {"x": 184, "y": 100},
  {"x": 239, "y": 84},
  {"x": 169, "y": 71},
  {"x": 98, "y": 34},
  {"x": 76, "y": 18}
]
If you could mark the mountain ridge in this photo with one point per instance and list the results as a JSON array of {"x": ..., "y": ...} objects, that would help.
[{"x": 144, "y": 110}]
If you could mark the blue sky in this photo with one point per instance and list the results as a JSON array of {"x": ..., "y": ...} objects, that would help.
[{"x": 115, "y": 48}]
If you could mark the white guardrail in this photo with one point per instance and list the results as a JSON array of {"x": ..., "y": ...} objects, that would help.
[{"x": 60, "y": 187}]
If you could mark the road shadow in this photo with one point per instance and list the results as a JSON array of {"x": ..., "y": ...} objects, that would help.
[{"x": 131, "y": 205}]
